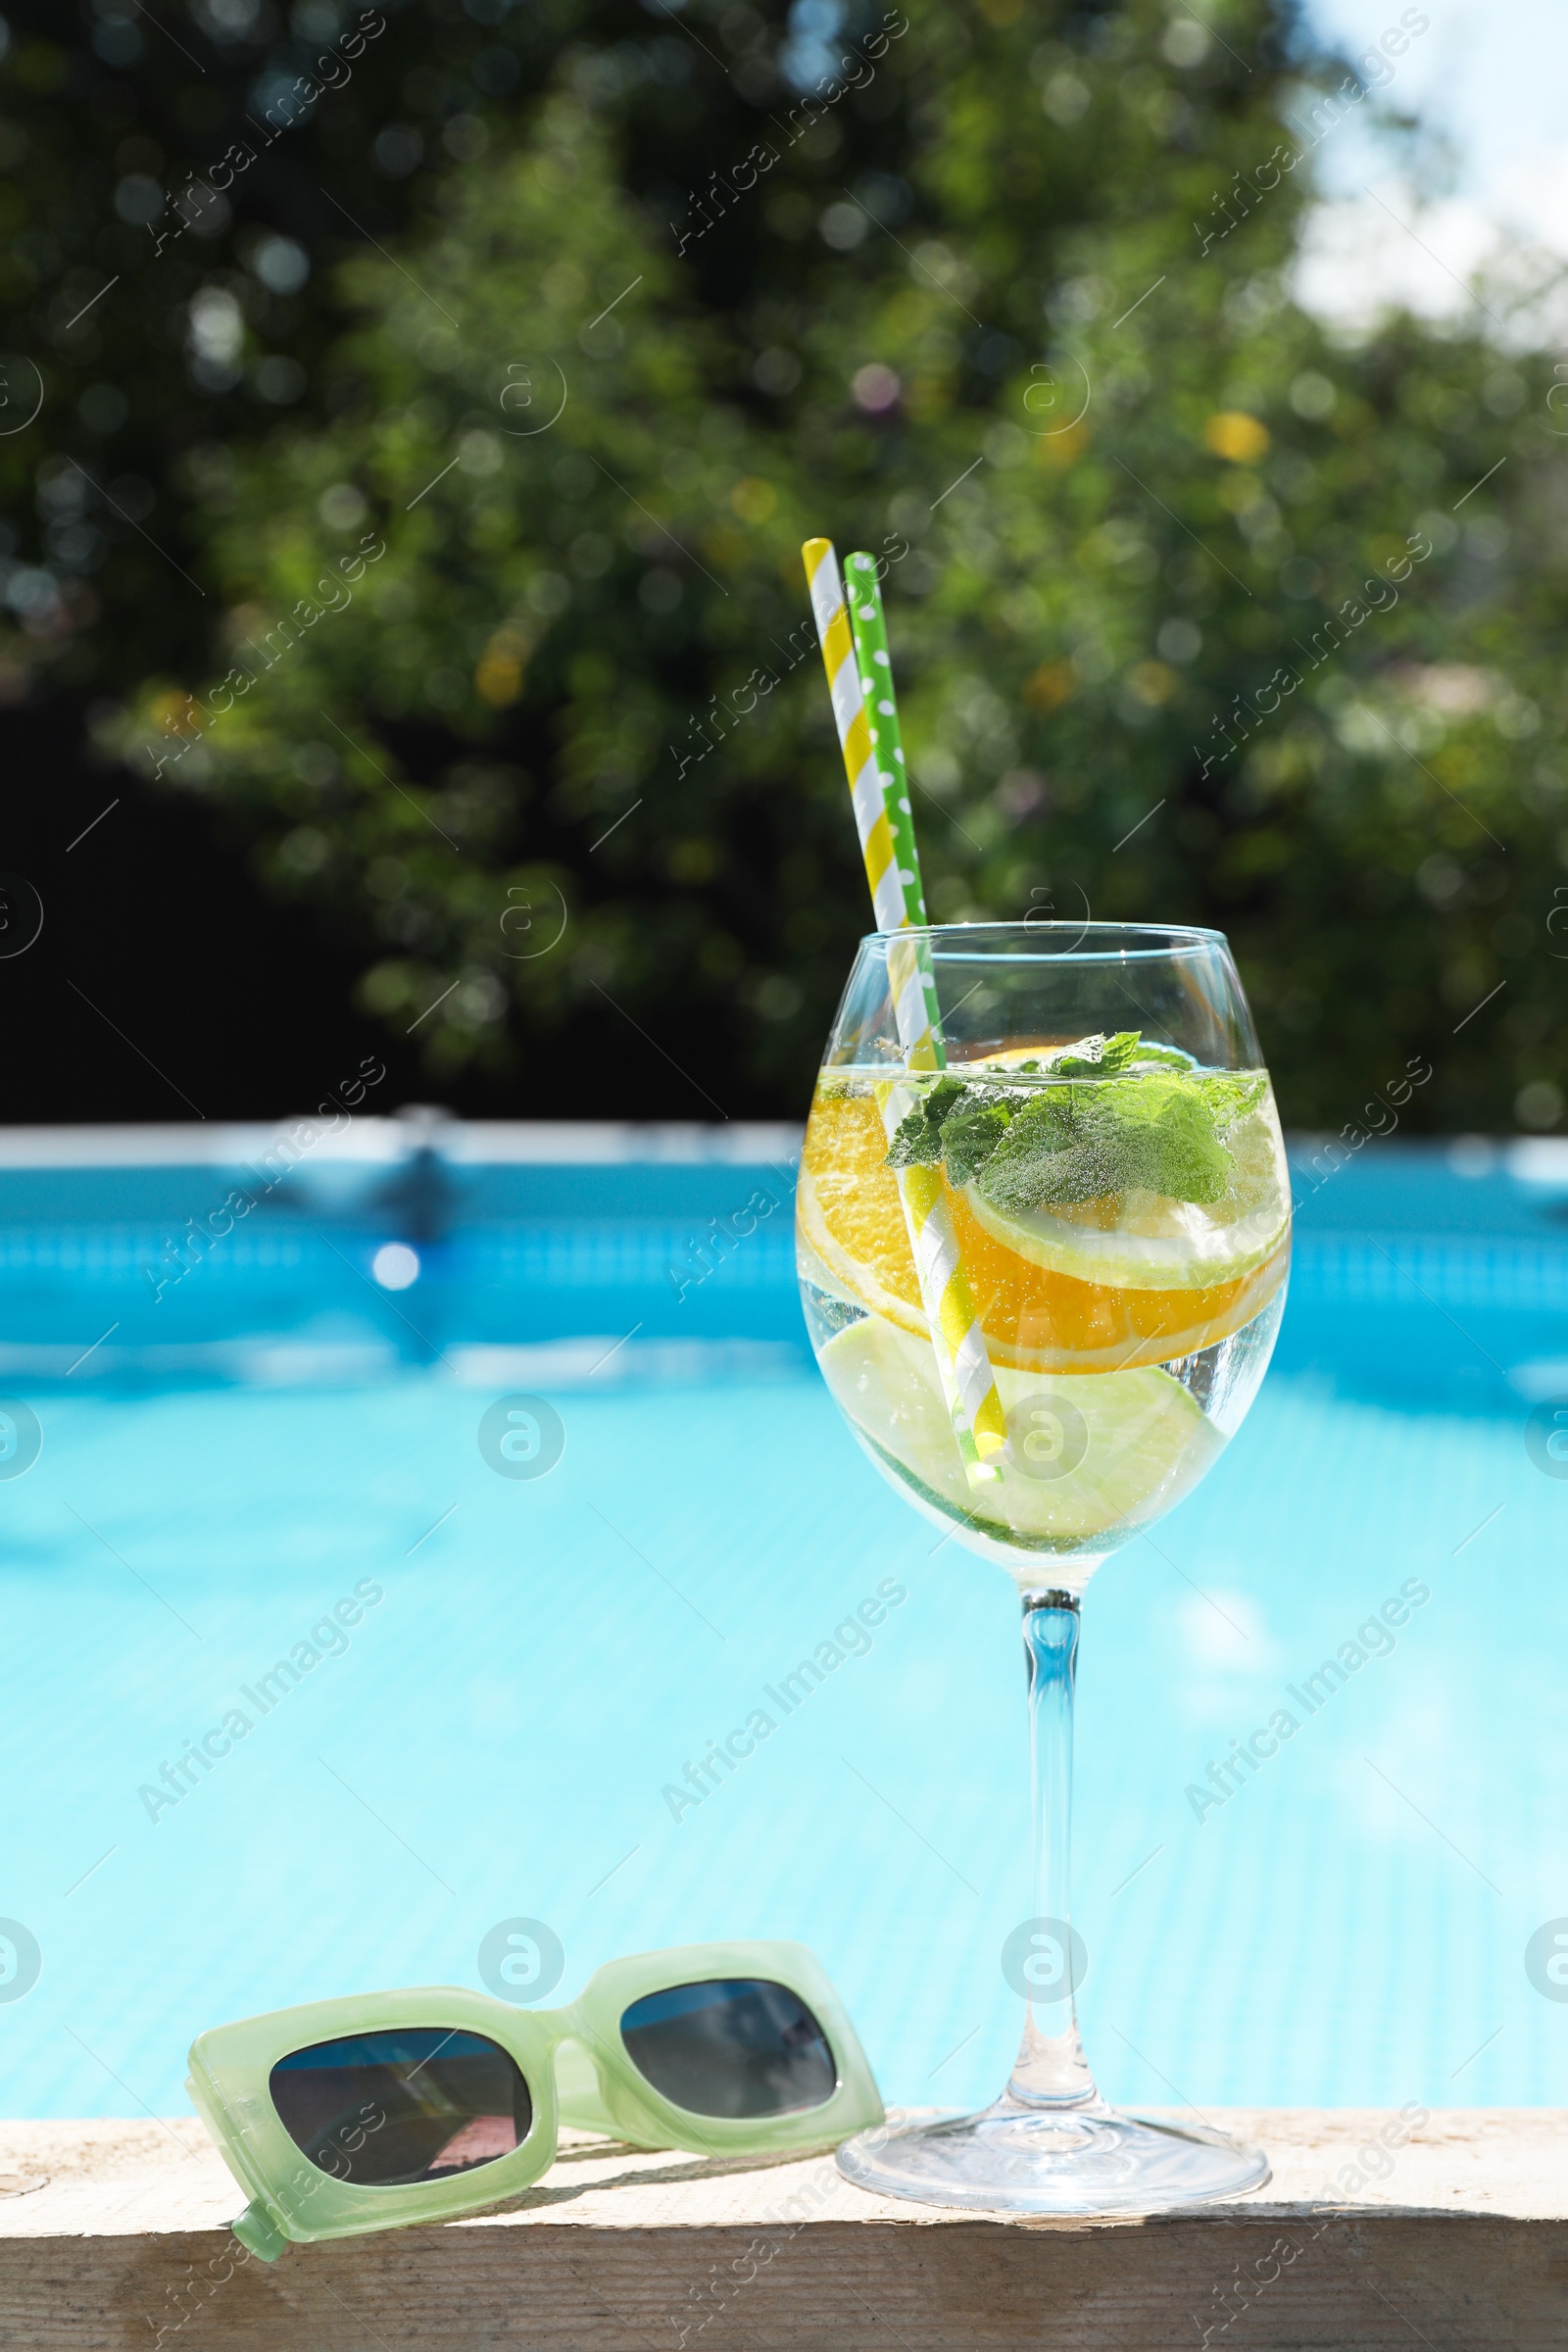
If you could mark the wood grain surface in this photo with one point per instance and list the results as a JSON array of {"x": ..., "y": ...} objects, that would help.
[{"x": 113, "y": 2235}]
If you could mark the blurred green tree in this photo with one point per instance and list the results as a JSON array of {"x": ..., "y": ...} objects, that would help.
[{"x": 1201, "y": 612}]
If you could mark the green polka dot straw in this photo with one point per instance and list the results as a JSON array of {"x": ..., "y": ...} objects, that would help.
[{"x": 870, "y": 634}]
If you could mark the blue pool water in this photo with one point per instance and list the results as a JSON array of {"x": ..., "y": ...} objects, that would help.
[{"x": 492, "y": 1737}]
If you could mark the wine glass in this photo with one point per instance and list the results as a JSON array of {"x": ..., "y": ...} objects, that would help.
[{"x": 1090, "y": 1114}]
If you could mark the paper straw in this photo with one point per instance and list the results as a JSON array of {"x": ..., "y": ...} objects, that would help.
[
  {"x": 877, "y": 844},
  {"x": 931, "y": 1238},
  {"x": 968, "y": 1384},
  {"x": 870, "y": 630},
  {"x": 910, "y": 972},
  {"x": 963, "y": 1367}
]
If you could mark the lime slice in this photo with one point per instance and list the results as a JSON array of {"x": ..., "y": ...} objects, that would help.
[
  {"x": 1145, "y": 1242},
  {"x": 1090, "y": 1452}
]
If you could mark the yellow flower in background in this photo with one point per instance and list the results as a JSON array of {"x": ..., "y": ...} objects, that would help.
[
  {"x": 1231, "y": 434},
  {"x": 1051, "y": 685},
  {"x": 753, "y": 499},
  {"x": 498, "y": 680},
  {"x": 1151, "y": 683},
  {"x": 1060, "y": 449}
]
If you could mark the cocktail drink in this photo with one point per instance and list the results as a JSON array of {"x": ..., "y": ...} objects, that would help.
[
  {"x": 1088, "y": 1118},
  {"x": 1122, "y": 1212}
]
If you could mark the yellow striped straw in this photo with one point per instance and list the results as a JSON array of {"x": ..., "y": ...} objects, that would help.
[
  {"x": 877, "y": 842},
  {"x": 963, "y": 1367}
]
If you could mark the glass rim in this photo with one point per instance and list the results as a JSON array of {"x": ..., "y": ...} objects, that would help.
[{"x": 1163, "y": 940}]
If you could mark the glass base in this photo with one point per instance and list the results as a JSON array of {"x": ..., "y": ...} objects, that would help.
[{"x": 1015, "y": 2159}]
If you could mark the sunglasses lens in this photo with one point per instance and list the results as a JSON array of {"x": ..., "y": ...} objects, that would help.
[
  {"x": 741, "y": 2046},
  {"x": 415, "y": 2103}
]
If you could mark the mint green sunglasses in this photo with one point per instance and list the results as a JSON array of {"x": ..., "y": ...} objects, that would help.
[{"x": 386, "y": 2108}]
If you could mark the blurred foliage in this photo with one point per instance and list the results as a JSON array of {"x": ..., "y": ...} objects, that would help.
[{"x": 526, "y": 702}]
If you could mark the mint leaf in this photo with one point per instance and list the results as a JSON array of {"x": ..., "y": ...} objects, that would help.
[
  {"x": 1095, "y": 1056},
  {"x": 970, "y": 1136},
  {"x": 1110, "y": 1124},
  {"x": 944, "y": 1099},
  {"x": 917, "y": 1138},
  {"x": 1229, "y": 1099},
  {"x": 1053, "y": 1152},
  {"x": 1164, "y": 1138},
  {"x": 1164, "y": 1057},
  {"x": 916, "y": 1143},
  {"x": 1080, "y": 1143}
]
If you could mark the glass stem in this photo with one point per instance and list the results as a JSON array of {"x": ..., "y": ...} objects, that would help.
[{"x": 1050, "y": 2070}]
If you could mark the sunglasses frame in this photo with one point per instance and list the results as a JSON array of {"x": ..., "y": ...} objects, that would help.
[{"x": 573, "y": 2060}]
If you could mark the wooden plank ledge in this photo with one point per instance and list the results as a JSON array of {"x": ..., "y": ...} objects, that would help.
[{"x": 115, "y": 2235}]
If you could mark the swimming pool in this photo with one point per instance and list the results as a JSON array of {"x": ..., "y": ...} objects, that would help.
[{"x": 489, "y": 1738}]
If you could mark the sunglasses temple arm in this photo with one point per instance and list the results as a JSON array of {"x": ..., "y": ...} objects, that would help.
[
  {"x": 259, "y": 2233},
  {"x": 580, "y": 2091}
]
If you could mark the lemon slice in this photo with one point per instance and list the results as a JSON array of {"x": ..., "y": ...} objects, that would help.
[
  {"x": 1090, "y": 1452},
  {"x": 1145, "y": 1242}
]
